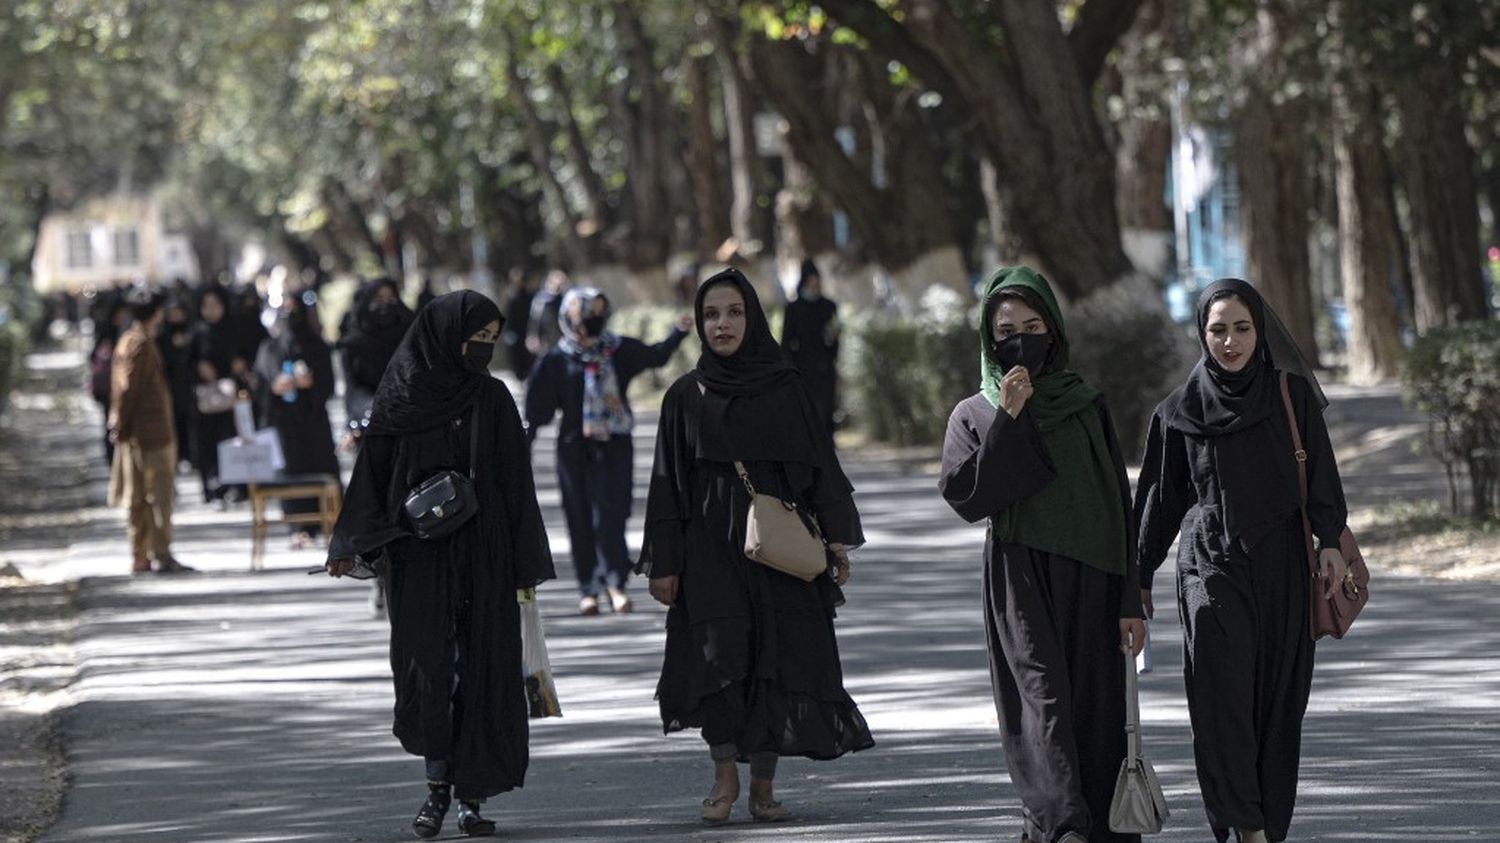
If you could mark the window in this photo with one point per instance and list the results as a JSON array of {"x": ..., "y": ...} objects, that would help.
[
  {"x": 80, "y": 248},
  {"x": 127, "y": 247}
]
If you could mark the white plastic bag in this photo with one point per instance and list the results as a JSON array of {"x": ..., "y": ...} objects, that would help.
[{"x": 541, "y": 691}]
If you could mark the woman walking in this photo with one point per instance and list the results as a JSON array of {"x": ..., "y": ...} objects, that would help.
[
  {"x": 219, "y": 351},
  {"x": 293, "y": 380},
  {"x": 1034, "y": 451},
  {"x": 587, "y": 376},
  {"x": 810, "y": 333},
  {"x": 455, "y": 621},
  {"x": 1220, "y": 453},
  {"x": 376, "y": 322},
  {"x": 751, "y": 658}
]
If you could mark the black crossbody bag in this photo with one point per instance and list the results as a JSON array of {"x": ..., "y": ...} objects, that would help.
[{"x": 445, "y": 501}]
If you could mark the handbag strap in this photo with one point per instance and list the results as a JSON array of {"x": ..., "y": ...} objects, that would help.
[
  {"x": 745, "y": 476},
  {"x": 473, "y": 440},
  {"x": 1299, "y": 454},
  {"x": 1132, "y": 711}
]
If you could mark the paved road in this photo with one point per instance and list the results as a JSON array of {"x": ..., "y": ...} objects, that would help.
[{"x": 256, "y": 707}]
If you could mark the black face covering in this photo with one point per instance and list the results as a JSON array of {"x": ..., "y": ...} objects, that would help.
[
  {"x": 593, "y": 325},
  {"x": 385, "y": 315},
  {"x": 478, "y": 355},
  {"x": 1029, "y": 350}
]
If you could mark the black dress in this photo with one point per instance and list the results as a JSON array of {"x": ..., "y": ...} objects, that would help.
[
  {"x": 218, "y": 345},
  {"x": 1052, "y": 629},
  {"x": 1244, "y": 605},
  {"x": 302, "y": 424},
  {"x": 809, "y": 335},
  {"x": 751, "y": 657},
  {"x": 455, "y": 624}
]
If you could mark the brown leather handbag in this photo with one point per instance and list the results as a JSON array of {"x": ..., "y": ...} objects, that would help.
[{"x": 1328, "y": 615}]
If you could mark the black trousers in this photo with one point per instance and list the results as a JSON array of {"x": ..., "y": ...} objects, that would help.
[
  {"x": 1248, "y": 667},
  {"x": 1053, "y": 630},
  {"x": 595, "y": 480}
]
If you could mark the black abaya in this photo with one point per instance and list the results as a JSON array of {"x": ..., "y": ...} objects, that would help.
[
  {"x": 1052, "y": 630},
  {"x": 809, "y": 335},
  {"x": 751, "y": 657},
  {"x": 1243, "y": 598},
  {"x": 302, "y": 424},
  {"x": 452, "y": 601}
]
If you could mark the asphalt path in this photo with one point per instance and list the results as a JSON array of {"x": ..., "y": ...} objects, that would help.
[{"x": 231, "y": 705}]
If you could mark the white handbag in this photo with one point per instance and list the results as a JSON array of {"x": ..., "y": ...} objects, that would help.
[
  {"x": 1138, "y": 806},
  {"x": 779, "y": 535}
]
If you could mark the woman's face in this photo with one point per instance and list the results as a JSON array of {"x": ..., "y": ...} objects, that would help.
[
  {"x": 1013, "y": 316},
  {"x": 488, "y": 334},
  {"x": 212, "y": 309},
  {"x": 384, "y": 295},
  {"x": 1230, "y": 333},
  {"x": 724, "y": 319}
]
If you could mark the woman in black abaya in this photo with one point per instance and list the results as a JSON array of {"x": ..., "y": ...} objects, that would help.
[
  {"x": 219, "y": 351},
  {"x": 810, "y": 333},
  {"x": 452, "y": 602},
  {"x": 376, "y": 323},
  {"x": 1035, "y": 453},
  {"x": 751, "y": 658},
  {"x": 1220, "y": 453},
  {"x": 293, "y": 380}
]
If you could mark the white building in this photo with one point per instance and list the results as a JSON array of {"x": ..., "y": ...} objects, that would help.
[{"x": 109, "y": 241}]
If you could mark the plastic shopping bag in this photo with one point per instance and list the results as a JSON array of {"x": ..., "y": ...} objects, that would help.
[{"x": 541, "y": 691}]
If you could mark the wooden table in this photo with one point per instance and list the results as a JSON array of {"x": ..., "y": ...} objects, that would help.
[{"x": 324, "y": 488}]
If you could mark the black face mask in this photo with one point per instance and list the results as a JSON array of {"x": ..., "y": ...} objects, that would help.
[
  {"x": 478, "y": 355},
  {"x": 593, "y": 325},
  {"x": 385, "y": 315},
  {"x": 1029, "y": 350}
]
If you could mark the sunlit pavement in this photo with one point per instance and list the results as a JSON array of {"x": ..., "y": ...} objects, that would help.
[{"x": 231, "y": 705}]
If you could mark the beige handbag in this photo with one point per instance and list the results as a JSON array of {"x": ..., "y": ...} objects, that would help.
[
  {"x": 779, "y": 535},
  {"x": 1138, "y": 806}
]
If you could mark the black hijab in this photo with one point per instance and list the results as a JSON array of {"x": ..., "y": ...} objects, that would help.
[
  {"x": 1240, "y": 414},
  {"x": 755, "y": 406},
  {"x": 1215, "y": 401},
  {"x": 366, "y": 333},
  {"x": 426, "y": 383}
]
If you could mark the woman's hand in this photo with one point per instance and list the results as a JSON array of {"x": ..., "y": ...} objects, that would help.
[
  {"x": 1332, "y": 568},
  {"x": 1147, "y": 604},
  {"x": 338, "y": 567},
  {"x": 1132, "y": 635},
  {"x": 282, "y": 385},
  {"x": 685, "y": 323},
  {"x": 664, "y": 589},
  {"x": 841, "y": 562},
  {"x": 1015, "y": 388}
]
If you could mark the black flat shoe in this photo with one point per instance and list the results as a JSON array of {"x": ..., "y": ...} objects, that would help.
[
  {"x": 470, "y": 823},
  {"x": 429, "y": 819}
]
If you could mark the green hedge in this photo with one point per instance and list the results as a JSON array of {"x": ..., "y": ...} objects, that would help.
[
  {"x": 17, "y": 310},
  {"x": 1453, "y": 375}
]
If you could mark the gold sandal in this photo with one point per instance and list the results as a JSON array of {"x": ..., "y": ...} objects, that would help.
[
  {"x": 770, "y": 811},
  {"x": 716, "y": 811}
]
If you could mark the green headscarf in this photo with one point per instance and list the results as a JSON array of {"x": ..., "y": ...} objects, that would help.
[{"x": 1079, "y": 514}]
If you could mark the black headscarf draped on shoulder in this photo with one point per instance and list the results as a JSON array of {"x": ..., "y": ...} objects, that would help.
[
  {"x": 1254, "y": 466},
  {"x": 755, "y": 406},
  {"x": 426, "y": 383}
]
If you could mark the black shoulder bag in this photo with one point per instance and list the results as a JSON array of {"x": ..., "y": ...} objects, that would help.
[{"x": 445, "y": 501}]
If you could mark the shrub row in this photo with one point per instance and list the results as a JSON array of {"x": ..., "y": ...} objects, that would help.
[{"x": 1453, "y": 375}]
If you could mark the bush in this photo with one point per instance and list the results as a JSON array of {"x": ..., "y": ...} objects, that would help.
[
  {"x": 17, "y": 303},
  {"x": 1453, "y": 375},
  {"x": 902, "y": 376}
]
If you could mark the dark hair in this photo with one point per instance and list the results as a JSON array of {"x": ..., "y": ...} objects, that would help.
[
  {"x": 1024, "y": 296},
  {"x": 143, "y": 303}
]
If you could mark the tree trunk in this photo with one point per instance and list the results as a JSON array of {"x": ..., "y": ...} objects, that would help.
[
  {"x": 1145, "y": 133},
  {"x": 739, "y": 124},
  {"x": 648, "y": 118},
  {"x": 570, "y": 252},
  {"x": 1034, "y": 117},
  {"x": 702, "y": 160},
  {"x": 1271, "y": 157},
  {"x": 1438, "y": 175},
  {"x": 1368, "y": 254},
  {"x": 595, "y": 207},
  {"x": 804, "y": 224},
  {"x": 898, "y": 208}
]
